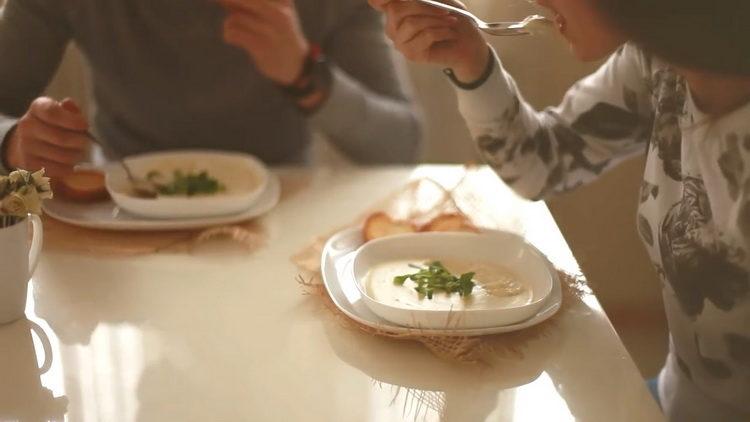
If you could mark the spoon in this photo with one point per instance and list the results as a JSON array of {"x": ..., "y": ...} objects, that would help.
[
  {"x": 523, "y": 27},
  {"x": 142, "y": 188}
]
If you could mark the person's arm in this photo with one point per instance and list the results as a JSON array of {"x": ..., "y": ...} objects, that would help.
[
  {"x": 603, "y": 119},
  {"x": 742, "y": 213},
  {"x": 33, "y": 37},
  {"x": 734, "y": 178},
  {"x": 367, "y": 113}
]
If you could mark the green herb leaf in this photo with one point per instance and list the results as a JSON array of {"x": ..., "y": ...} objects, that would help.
[
  {"x": 400, "y": 280},
  {"x": 189, "y": 184},
  {"x": 153, "y": 174},
  {"x": 436, "y": 278}
]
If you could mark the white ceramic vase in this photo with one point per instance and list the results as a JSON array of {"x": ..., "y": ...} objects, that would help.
[{"x": 18, "y": 259}]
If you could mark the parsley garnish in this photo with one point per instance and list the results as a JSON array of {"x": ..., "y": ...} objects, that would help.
[
  {"x": 189, "y": 184},
  {"x": 436, "y": 278}
]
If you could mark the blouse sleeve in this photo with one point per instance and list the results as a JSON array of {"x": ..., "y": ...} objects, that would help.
[{"x": 602, "y": 119}]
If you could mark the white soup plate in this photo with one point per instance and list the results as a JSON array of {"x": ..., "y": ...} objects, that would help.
[
  {"x": 243, "y": 176},
  {"x": 338, "y": 279},
  {"x": 496, "y": 247}
]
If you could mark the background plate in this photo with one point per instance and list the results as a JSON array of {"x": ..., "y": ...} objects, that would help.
[{"x": 108, "y": 216}]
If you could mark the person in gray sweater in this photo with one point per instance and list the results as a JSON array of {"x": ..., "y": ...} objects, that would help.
[{"x": 256, "y": 76}]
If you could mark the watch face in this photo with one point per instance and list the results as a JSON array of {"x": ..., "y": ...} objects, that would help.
[{"x": 315, "y": 78}]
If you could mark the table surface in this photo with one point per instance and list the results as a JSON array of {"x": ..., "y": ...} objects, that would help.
[{"x": 224, "y": 334}]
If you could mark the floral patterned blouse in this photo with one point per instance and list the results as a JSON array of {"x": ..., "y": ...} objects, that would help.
[{"x": 694, "y": 213}]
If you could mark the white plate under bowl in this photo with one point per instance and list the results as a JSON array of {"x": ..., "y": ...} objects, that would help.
[
  {"x": 336, "y": 268},
  {"x": 106, "y": 215},
  {"x": 499, "y": 248},
  {"x": 243, "y": 176}
]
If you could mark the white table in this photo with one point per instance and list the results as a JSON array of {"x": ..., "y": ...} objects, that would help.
[{"x": 224, "y": 335}]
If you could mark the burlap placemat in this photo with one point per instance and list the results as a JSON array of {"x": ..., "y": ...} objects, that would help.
[
  {"x": 64, "y": 237},
  {"x": 420, "y": 201}
]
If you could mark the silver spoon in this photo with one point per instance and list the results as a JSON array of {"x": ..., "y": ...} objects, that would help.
[
  {"x": 142, "y": 188},
  {"x": 523, "y": 27}
]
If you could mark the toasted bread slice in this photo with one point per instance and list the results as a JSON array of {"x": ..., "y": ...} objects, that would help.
[
  {"x": 82, "y": 186},
  {"x": 449, "y": 223},
  {"x": 381, "y": 225}
]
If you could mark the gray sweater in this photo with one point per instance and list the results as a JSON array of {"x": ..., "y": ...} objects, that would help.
[{"x": 163, "y": 78}]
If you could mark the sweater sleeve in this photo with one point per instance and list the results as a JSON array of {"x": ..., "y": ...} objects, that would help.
[
  {"x": 602, "y": 119},
  {"x": 734, "y": 179},
  {"x": 368, "y": 114},
  {"x": 33, "y": 37}
]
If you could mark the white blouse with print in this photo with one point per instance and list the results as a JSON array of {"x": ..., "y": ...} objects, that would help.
[{"x": 694, "y": 213}]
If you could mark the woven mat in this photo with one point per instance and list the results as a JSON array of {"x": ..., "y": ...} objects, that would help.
[
  {"x": 420, "y": 201},
  {"x": 63, "y": 237}
]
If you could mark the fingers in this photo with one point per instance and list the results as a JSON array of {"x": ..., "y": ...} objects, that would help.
[
  {"x": 249, "y": 41},
  {"x": 51, "y": 135},
  {"x": 243, "y": 23},
  {"x": 397, "y": 11},
  {"x": 51, "y": 169},
  {"x": 413, "y": 25},
  {"x": 421, "y": 46},
  {"x": 70, "y": 105},
  {"x": 30, "y": 127},
  {"x": 245, "y": 34},
  {"x": 268, "y": 10},
  {"x": 379, "y": 5},
  {"x": 415, "y": 29},
  {"x": 250, "y": 26},
  {"x": 270, "y": 33},
  {"x": 45, "y": 151},
  {"x": 35, "y": 154},
  {"x": 53, "y": 113}
]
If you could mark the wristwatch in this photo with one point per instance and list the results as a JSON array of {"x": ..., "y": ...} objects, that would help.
[{"x": 315, "y": 75}]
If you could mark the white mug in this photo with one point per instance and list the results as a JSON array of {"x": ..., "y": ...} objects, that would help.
[{"x": 18, "y": 260}]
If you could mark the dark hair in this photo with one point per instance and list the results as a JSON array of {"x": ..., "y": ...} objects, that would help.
[{"x": 712, "y": 35}]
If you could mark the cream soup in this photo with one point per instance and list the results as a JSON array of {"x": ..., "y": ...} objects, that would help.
[{"x": 496, "y": 287}]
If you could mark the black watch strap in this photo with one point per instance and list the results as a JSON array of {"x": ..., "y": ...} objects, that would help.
[
  {"x": 468, "y": 86},
  {"x": 306, "y": 83}
]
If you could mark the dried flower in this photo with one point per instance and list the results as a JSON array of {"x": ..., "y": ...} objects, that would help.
[
  {"x": 42, "y": 184},
  {"x": 15, "y": 205},
  {"x": 22, "y": 192},
  {"x": 32, "y": 200},
  {"x": 18, "y": 178}
]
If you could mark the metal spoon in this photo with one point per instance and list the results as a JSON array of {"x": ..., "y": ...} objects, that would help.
[
  {"x": 495, "y": 28},
  {"x": 142, "y": 188}
]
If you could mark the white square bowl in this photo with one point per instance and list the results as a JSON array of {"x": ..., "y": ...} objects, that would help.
[
  {"x": 244, "y": 177},
  {"x": 502, "y": 248}
]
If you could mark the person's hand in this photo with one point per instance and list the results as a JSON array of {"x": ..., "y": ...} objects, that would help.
[
  {"x": 51, "y": 136},
  {"x": 426, "y": 34},
  {"x": 269, "y": 31}
]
